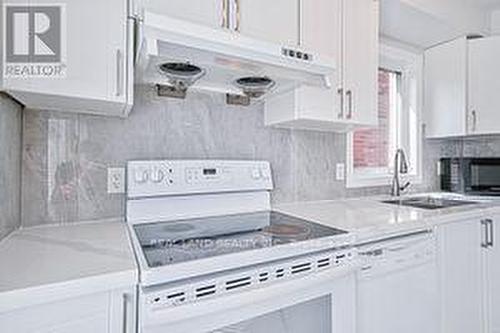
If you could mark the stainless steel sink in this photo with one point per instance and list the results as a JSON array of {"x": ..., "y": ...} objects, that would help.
[{"x": 430, "y": 202}]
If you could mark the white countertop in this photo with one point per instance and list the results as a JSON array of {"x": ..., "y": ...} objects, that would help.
[
  {"x": 369, "y": 218},
  {"x": 49, "y": 263},
  {"x": 53, "y": 262}
]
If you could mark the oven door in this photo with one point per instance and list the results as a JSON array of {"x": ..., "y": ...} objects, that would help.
[
  {"x": 319, "y": 303},
  {"x": 482, "y": 176}
]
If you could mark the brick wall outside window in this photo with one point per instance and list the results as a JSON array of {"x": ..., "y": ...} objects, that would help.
[{"x": 371, "y": 146}]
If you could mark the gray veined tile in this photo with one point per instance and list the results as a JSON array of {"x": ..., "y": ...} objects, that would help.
[
  {"x": 10, "y": 165},
  {"x": 202, "y": 126}
]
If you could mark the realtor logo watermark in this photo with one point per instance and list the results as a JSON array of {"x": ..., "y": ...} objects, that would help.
[{"x": 34, "y": 41}]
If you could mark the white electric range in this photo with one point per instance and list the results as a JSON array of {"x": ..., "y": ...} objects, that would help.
[{"x": 214, "y": 257}]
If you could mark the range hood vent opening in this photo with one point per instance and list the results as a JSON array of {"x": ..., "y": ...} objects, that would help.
[
  {"x": 180, "y": 75},
  {"x": 255, "y": 86}
]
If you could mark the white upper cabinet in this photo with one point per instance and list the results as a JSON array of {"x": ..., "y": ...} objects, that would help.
[
  {"x": 309, "y": 107},
  {"x": 346, "y": 31},
  {"x": 274, "y": 21},
  {"x": 445, "y": 89},
  {"x": 461, "y": 88},
  {"x": 360, "y": 70},
  {"x": 321, "y": 26},
  {"x": 212, "y": 13},
  {"x": 484, "y": 83},
  {"x": 94, "y": 41}
]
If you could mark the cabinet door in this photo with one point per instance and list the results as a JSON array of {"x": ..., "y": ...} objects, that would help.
[
  {"x": 94, "y": 55},
  {"x": 274, "y": 21},
  {"x": 206, "y": 12},
  {"x": 106, "y": 312},
  {"x": 484, "y": 80},
  {"x": 78, "y": 315},
  {"x": 460, "y": 254},
  {"x": 321, "y": 33},
  {"x": 361, "y": 19},
  {"x": 492, "y": 269},
  {"x": 445, "y": 89},
  {"x": 321, "y": 27}
]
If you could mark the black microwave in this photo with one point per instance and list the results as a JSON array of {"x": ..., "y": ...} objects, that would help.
[{"x": 474, "y": 176}]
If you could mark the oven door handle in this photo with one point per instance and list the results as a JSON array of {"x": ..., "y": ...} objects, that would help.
[{"x": 233, "y": 308}]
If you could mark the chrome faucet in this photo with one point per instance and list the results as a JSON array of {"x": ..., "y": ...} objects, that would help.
[{"x": 400, "y": 167}]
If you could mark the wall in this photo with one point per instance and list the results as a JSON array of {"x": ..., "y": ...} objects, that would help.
[
  {"x": 371, "y": 145},
  {"x": 10, "y": 165},
  {"x": 65, "y": 156},
  {"x": 495, "y": 22}
]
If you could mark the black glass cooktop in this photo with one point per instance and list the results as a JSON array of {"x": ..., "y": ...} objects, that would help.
[{"x": 166, "y": 243}]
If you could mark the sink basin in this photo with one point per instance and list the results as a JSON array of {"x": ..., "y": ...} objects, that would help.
[{"x": 429, "y": 202}]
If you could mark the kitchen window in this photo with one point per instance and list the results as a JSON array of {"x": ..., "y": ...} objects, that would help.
[{"x": 370, "y": 152}]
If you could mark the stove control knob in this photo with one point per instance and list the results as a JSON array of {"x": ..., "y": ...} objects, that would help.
[
  {"x": 141, "y": 176},
  {"x": 157, "y": 175}
]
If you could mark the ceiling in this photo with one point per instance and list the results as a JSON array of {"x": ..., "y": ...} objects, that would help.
[
  {"x": 424, "y": 23},
  {"x": 484, "y": 4}
]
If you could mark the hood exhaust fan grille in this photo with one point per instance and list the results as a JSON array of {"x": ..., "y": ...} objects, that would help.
[
  {"x": 255, "y": 86},
  {"x": 180, "y": 76}
]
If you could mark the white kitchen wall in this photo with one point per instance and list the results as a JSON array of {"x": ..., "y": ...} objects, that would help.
[
  {"x": 495, "y": 22},
  {"x": 65, "y": 156},
  {"x": 10, "y": 165}
]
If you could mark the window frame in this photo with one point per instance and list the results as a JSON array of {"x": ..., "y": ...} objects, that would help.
[{"x": 410, "y": 65}]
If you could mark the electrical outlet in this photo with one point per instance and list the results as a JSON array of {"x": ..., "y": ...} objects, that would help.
[
  {"x": 340, "y": 171},
  {"x": 116, "y": 180}
]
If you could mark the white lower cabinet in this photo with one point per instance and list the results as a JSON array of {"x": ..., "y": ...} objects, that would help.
[
  {"x": 492, "y": 276},
  {"x": 460, "y": 276},
  {"x": 470, "y": 276},
  {"x": 106, "y": 312}
]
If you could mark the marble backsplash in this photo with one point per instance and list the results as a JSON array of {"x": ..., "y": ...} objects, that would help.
[
  {"x": 10, "y": 165},
  {"x": 65, "y": 156}
]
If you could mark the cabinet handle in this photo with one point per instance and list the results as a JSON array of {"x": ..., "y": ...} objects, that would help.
[
  {"x": 238, "y": 15},
  {"x": 474, "y": 120},
  {"x": 349, "y": 99},
  {"x": 490, "y": 240},
  {"x": 225, "y": 14},
  {"x": 119, "y": 72},
  {"x": 340, "y": 91},
  {"x": 486, "y": 231},
  {"x": 125, "y": 314}
]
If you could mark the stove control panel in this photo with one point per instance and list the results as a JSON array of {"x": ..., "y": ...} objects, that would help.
[
  {"x": 250, "y": 278},
  {"x": 181, "y": 177}
]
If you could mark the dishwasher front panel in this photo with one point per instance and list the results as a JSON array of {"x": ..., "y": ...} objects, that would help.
[{"x": 398, "y": 287}]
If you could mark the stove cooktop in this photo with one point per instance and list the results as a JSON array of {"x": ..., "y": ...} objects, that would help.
[{"x": 166, "y": 243}]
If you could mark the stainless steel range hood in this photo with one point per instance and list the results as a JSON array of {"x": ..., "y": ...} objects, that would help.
[{"x": 180, "y": 55}]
